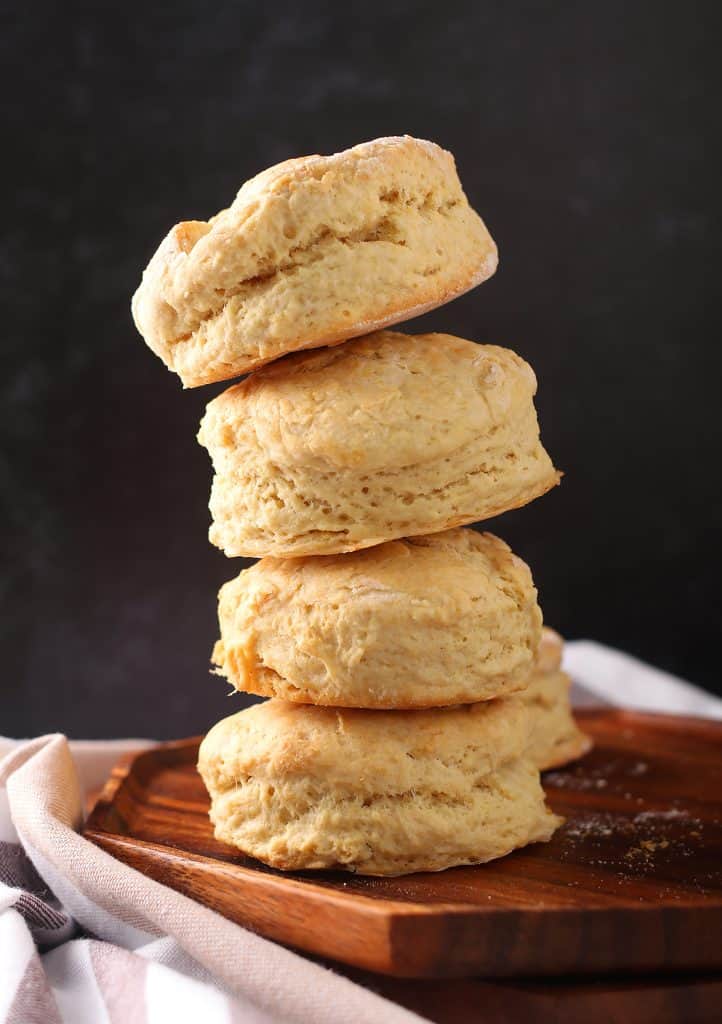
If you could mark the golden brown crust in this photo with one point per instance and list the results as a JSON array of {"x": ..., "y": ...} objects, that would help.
[
  {"x": 555, "y": 737},
  {"x": 565, "y": 751},
  {"x": 448, "y": 618},
  {"x": 389, "y": 436},
  {"x": 549, "y": 655},
  {"x": 379, "y": 792},
  {"x": 311, "y": 253}
]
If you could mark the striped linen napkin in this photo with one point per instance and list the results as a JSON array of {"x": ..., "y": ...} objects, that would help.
[{"x": 85, "y": 939}]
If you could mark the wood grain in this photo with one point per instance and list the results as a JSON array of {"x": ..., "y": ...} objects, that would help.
[
  {"x": 632, "y": 882},
  {"x": 660, "y": 999}
]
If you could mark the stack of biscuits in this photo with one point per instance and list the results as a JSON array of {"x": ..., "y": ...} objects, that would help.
[{"x": 413, "y": 695}]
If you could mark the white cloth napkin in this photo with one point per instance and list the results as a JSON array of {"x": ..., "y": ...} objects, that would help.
[
  {"x": 85, "y": 939},
  {"x": 604, "y": 676}
]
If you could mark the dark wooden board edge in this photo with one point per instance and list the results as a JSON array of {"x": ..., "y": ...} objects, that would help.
[{"x": 645, "y": 999}]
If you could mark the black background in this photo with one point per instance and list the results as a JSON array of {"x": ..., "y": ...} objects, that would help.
[{"x": 583, "y": 134}]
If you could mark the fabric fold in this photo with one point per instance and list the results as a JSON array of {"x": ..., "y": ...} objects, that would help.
[{"x": 255, "y": 980}]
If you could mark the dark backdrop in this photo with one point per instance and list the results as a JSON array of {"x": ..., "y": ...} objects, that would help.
[{"x": 583, "y": 134}]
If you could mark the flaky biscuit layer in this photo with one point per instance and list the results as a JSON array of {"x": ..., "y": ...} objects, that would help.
[
  {"x": 391, "y": 435},
  {"x": 378, "y": 792},
  {"x": 443, "y": 619},
  {"x": 555, "y": 737},
  {"x": 312, "y": 252}
]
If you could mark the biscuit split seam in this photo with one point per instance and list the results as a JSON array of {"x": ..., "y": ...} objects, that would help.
[{"x": 384, "y": 230}]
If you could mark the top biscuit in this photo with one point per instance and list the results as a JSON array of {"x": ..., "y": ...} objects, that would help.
[{"x": 311, "y": 252}]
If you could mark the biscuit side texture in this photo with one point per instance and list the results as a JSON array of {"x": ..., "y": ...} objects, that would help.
[
  {"x": 389, "y": 436},
  {"x": 550, "y": 650},
  {"x": 312, "y": 252},
  {"x": 429, "y": 621},
  {"x": 375, "y": 792},
  {"x": 555, "y": 737}
]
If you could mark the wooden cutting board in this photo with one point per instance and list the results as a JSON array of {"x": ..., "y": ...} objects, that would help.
[{"x": 632, "y": 882}]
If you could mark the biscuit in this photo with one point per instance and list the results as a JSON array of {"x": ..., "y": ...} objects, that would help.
[
  {"x": 311, "y": 252},
  {"x": 450, "y": 618},
  {"x": 555, "y": 737},
  {"x": 378, "y": 792},
  {"x": 391, "y": 435}
]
